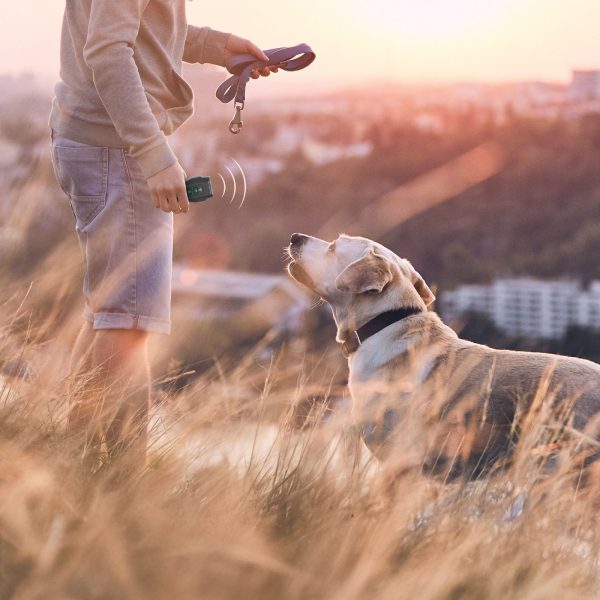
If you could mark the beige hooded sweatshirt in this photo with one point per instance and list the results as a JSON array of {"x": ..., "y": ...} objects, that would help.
[{"x": 121, "y": 83}]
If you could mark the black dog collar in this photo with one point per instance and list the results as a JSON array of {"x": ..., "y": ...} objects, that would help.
[{"x": 376, "y": 325}]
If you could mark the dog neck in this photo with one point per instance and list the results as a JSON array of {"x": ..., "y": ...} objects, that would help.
[{"x": 375, "y": 325}]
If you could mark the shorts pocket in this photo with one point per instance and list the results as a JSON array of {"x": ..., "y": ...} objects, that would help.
[{"x": 82, "y": 173}]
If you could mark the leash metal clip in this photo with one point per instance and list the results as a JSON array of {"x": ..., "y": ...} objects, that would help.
[
  {"x": 241, "y": 66},
  {"x": 235, "y": 125}
]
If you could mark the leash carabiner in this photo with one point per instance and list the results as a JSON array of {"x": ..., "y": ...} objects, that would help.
[
  {"x": 241, "y": 67},
  {"x": 235, "y": 125}
]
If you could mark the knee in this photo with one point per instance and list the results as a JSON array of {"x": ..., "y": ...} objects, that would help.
[
  {"x": 122, "y": 336},
  {"x": 119, "y": 343}
]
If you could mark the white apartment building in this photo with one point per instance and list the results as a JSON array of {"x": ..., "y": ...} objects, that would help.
[
  {"x": 526, "y": 306},
  {"x": 585, "y": 85},
  {"x": 214, "y": 295}
]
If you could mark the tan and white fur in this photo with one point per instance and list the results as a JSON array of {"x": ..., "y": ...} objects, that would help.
[{"x": 421, "y": 395}]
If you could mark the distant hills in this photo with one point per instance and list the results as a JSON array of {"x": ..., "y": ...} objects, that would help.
[{"x": 539, "y": 215}]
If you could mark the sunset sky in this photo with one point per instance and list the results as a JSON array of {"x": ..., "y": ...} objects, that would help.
[{"x": 367, "y": 40}]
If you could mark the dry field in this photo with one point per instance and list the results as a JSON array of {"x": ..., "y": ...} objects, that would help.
[{"x": 239, "y": 502}]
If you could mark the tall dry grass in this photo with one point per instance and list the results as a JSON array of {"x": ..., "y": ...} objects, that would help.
[
  {"x": 244, "y": 508},
  {"x": 237, "y": 502}
]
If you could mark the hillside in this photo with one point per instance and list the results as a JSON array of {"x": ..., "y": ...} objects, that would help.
[{"x": 539, "y": 215}]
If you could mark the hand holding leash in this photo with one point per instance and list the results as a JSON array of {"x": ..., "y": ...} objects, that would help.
[{"x": 243, "y": 66}]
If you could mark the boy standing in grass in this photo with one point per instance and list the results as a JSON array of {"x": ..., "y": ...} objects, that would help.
[{"x": 119, "y": 96}]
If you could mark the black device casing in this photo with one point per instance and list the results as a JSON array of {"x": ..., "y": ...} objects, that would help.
[{"x": 198, "y": 189}]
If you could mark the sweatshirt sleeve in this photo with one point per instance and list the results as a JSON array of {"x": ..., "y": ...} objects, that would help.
[
  {"x": 108, "y": 52},
  {"x": 205, "y": 45}
]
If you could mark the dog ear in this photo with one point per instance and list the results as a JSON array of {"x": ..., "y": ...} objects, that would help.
[
  {"x": 422, "y": 288},
  {"x": 371, "y": 273}
]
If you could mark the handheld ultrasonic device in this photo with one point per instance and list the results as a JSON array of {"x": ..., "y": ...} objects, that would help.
[{"x": 198, "y": 189}]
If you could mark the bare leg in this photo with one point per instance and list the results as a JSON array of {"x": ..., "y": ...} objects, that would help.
[
  {"x": 121, "y": 357},
  {"x": 109, "y": 387}
]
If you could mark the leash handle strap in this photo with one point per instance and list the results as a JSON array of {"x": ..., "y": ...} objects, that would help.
[{"x": 241, "y": 66}]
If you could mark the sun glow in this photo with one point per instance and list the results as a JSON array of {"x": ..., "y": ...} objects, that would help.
[
  {"x": 431, "y": 18},
  {"x": 361, "y": 40}
]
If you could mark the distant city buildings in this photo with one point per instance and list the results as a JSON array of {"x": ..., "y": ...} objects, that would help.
[
  {"x": 263, "y": 300},
  {"x": 585, "y": 85},
  {"x": 322, "y": 129},
  {"x": 539, "y": 309},
  {"x": 525, "y": 306}
]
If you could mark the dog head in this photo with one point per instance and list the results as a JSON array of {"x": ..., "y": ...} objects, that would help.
[{"x": 359, "y": 278}]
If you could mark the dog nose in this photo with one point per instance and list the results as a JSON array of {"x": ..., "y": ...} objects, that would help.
[{"x": 298, "y": 239}]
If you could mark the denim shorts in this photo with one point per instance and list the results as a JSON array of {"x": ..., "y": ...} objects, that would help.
[{"x": 126, "y": 242}]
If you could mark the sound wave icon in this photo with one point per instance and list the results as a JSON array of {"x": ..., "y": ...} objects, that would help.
[{"x": 242, "y": 188}]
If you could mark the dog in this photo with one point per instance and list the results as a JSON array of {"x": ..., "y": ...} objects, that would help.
[{"x": 419, "y": 392}]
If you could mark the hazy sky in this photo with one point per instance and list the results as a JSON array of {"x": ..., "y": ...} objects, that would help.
[{"x": 362, "y": 40}]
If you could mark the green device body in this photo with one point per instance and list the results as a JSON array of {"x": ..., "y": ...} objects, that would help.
[{"x": 198, "y": 189}]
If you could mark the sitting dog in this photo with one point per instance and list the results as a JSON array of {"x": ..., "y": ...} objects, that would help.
[{"x": 448, "y": 405}]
